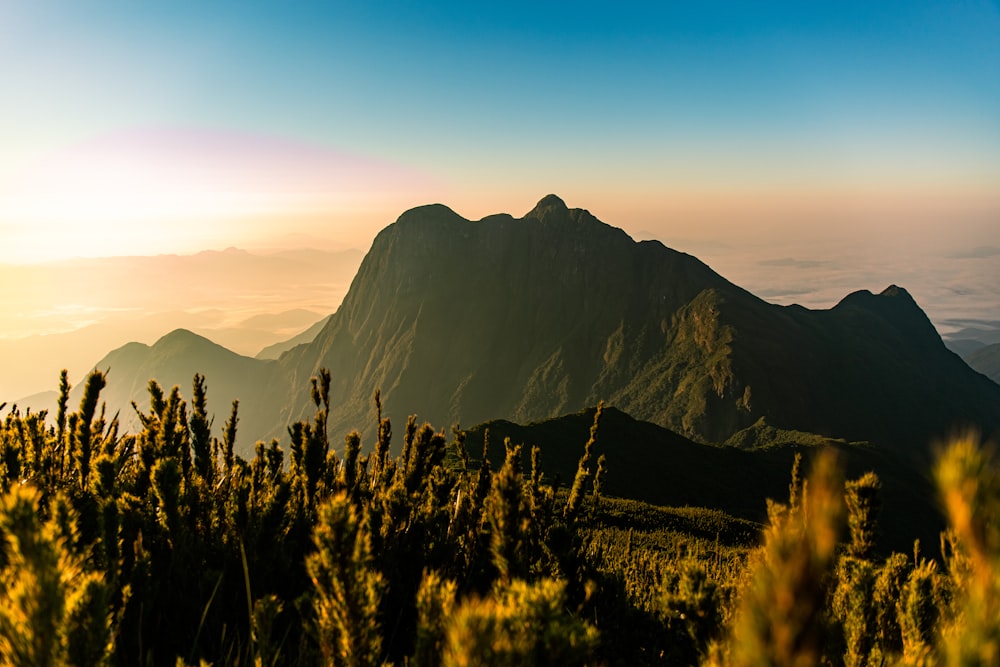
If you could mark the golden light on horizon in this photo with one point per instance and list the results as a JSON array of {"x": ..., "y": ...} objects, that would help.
[
  {"x": 182, "y": 190},
  {"x": 166, "y": 191}
]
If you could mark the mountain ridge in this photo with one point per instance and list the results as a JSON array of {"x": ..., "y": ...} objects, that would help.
[
  {"x": 557, "y": 310},
  {"x": 517, "y": 261},
  {"x": 533, "y": 317}
]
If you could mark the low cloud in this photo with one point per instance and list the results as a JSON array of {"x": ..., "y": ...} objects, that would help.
[
  {"x": 774, "y": 293},
  {"x": 791, "y": 262},
  {"x": 979, "y": 252}
]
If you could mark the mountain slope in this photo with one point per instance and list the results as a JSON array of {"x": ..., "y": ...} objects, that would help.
[
  {"x": 533, "y": 317},
  {"x": 649, "y": 463},
  {"x": 871, "y": 368}
]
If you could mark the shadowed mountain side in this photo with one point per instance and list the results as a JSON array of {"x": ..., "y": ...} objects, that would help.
[
  {"x": 173, "y": 360},
  {"x": 528, "y": 318},
  {"x": 871, "y": 368},
  {"x": 649, "y": 463}
]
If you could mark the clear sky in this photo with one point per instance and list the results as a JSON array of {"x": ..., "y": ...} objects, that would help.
[{"x": 166, "y": 126}]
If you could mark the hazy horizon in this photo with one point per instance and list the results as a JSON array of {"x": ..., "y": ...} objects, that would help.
[{"x": 248, "y": 299}]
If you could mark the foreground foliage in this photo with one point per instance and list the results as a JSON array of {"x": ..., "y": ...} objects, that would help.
[{"x": 164, "y": 547}]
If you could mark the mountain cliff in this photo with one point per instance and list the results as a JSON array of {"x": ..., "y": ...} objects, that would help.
[{"x": 521, "y": 318}]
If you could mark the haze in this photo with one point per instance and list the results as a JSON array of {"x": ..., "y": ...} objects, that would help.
[{"x": 803, "y": 152}]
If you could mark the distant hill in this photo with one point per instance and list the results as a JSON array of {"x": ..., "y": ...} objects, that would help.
[
  {"x": 229, "y": 297},
  {"x": 307, "y": 336},
  {"x": 43, "y": 400},
  {"x": 981, "y": 331},
  {"x": 986, "y": 360},
  {"x": 649, "y": 463},
  {"x": 963, "y": 347},
  {"x": 173, "y": 360}
]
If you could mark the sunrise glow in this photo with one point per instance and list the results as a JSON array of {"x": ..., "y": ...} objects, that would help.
[
  {"x": 306, "y": 121},
  {"x": 179, "y": 190}
]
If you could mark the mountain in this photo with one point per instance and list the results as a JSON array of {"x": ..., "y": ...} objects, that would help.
[
  {"x": 986, "y": 360},
  {"x": 968, "y": 335},
  {"x": 173, "y": 360},
  {"x": 527, "y": 318}
]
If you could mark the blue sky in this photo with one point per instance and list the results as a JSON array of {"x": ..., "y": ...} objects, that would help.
[{"x": 687, "y": 113}]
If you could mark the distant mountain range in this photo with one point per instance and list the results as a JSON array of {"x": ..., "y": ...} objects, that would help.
[
  {"x": 986, "y": 360},
  {"x": 533, "y": 317},
  {"x": 971, "y": 334},
  {"x": 245, "y": 301},
  {"x": 173, "y": 360}
]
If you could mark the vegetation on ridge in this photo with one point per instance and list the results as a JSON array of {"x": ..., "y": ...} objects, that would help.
[{"x": 167, "y": 547}]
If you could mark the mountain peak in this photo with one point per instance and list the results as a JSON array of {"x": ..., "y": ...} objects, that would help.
[
  {"x": 179, "y": 335},
  {"x": 546, "y": 207},
  {"x": 550, "y": 201},
  {"x": 183, "y": 339},
  {"x": 898, "y": 292},
  {"x": 892, "y": 299},
  {"x": 897, "y": 307},
  {"x": 433, "y": 212}
]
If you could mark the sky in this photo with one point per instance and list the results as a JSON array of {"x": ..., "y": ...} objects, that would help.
[{"x": 780, "y": 130}]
